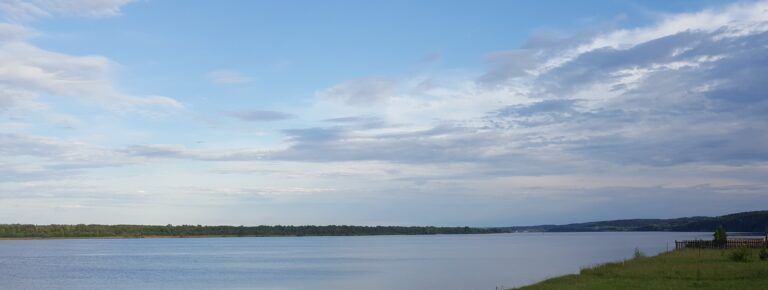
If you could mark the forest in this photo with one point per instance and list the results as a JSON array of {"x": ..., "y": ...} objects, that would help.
[
  {"x": 756, "y": 221},
  {"x": 139, "y": 231},
  {"x": 752, "y": 221}
]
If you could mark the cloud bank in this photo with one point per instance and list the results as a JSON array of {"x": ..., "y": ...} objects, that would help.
[{"x": 586, "y": 124}]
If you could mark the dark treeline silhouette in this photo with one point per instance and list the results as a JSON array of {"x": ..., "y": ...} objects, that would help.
[
  {"x": 753, "y": 221},
  {"x": 756, "y": 221},
  {"x": 137, "y": 231}
]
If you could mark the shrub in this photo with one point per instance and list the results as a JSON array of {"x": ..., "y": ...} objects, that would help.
[
  {"x": 720, "y": 236},
  {"x": 740, "y": 254},
  {"x": 638, "y": 254},
  {"x": 763, "y": 254}
]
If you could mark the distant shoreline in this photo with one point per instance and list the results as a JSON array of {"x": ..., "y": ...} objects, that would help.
[
  {"x": 19, "y": 231},
  {"x": 755, "y": 222},
  {"x": 217, "y": 236},
  {"x": 123, "y": 237},
  {"x": 296, "y": 236},
  {"x": 200, "y": 237}
]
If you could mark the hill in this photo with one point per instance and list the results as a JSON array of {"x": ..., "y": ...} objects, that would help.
[{"x": 753, "y": 221}]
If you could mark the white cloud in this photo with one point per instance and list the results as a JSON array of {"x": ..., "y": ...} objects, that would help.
[
  {"x": 735, "y": 20},
  {"x": 13, "y": 32},
  {"x": 27, "y": 10},
  {"x": 678, "y": 92},
  {"x": 361, "y": 92},
  {"x": 227, "y": 77},
  {"x": 677, "y": 107},
  {"x": 27, "y": 72},
  {"x": 59, "y": 154}
]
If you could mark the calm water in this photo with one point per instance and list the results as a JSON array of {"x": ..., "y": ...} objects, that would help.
[{"x": 445, "y": 262}]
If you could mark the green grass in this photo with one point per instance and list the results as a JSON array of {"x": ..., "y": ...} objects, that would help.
[{"x": 678, "y": 270}]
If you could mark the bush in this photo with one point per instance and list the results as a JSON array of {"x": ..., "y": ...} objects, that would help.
[
  {"x": 638, "y": 254},
  {"x": 763, "y": 254},
  {"x": 720, "y": 236},
  {"x": 740, "y": 254}
]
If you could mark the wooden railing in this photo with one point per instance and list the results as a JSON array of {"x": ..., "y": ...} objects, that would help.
[{"x": 731, "y": 243}]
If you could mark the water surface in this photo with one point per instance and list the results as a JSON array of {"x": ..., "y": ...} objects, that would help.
[{"x": 444, "y": 262}]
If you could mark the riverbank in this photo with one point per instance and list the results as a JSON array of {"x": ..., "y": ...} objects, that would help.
[
  {"x": 683, "y": 269},
  {"x": 210, "y": 236},
  {"x": 145, "y": 231},
  {"x": 128, "y": 237}
]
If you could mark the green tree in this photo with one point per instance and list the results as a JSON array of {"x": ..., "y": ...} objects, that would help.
[{"x": 720, "y": 236}]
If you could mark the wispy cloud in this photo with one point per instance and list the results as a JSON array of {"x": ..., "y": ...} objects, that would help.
[
  {"x": 181, "y": 152},
  {"x": 361, "y": 92},
  {"x": 26, "y": 10},
  {"x": 28, "y": 72},
  {"x": 627, "y": 96},
  {"x": 227, "y": 77},
  {"x": 260, "y": 115}
]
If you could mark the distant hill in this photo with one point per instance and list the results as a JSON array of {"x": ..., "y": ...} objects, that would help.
[{"x": 753, "y": 221}]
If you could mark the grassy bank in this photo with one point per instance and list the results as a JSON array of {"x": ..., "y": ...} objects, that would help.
[{"x": 685, "y": 269}]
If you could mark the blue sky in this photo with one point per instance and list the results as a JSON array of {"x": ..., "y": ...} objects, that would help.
[{"x": 380, "y": 112}]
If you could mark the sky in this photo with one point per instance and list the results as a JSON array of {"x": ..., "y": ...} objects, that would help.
[{"x": 449, "y": 113}]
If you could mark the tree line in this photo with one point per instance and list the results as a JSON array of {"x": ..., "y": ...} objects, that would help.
[
  {"x": 753, "y": 221},
  {"x": 138, "y": 231}
]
